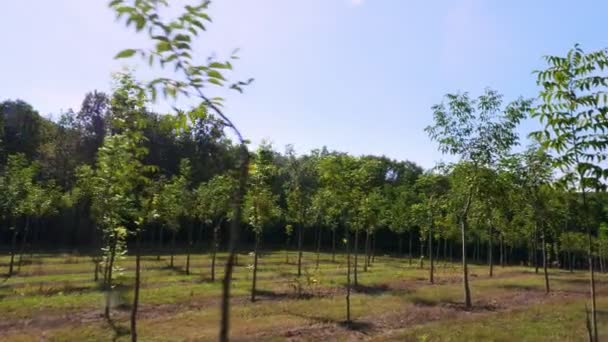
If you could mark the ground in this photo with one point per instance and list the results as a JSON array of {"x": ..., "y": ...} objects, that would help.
[{"x": 54, "y": 298}]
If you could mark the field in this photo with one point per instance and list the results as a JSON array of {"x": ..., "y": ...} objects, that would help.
[{"x": 54, "y": 297}]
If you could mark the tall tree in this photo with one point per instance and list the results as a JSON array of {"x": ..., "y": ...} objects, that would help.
[
  {"x": 478, "y": 132},
  {"x": 573, "y": 106}
]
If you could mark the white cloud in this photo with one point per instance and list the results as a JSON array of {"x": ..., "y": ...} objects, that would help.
[{"x": 356, "y": 3}]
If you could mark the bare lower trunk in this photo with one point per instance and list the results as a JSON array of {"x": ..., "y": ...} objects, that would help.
[
  {"x": 300, "y": 250},
  {"x": 136, "y": 290},
  {"x": 535, "y": 248},
  {"x": 255, "y": 267},
  {"x": 502, "y": 253},
  {"x": 490, "y": 256},
  {"x": 373, "y": 248},
  {"x": 160, "y": 241},
  {"x": 465, "y": 266},
  {"x": 189, "y": 251},
  {"x": 348, "y": 284},
  {"x": 366, "y": 261},
  {"x": 108, "y": 280},
  {"x": 318, "y": 246},
  {"x": 233, "y": 243},
  {"x": 544, "y": 249},
  {"x": 23, "y": 242},
  {"x": 13, "y": 249},
  {"x": 172, "y": 248},
  {"x": 356, "y": 281},
  {"x": 333, "y": 245},
  {"x": 400, "y": 248},
  {"x": 214, "y": 251},
  {"x": 431, "y": 266},
  {"x": 409, "y": 233}
]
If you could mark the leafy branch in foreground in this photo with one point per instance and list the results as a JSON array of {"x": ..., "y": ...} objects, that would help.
[{"x": 173, "y": 48}]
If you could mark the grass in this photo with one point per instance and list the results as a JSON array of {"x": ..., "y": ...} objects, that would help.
[{"x": 58, "y": 299}]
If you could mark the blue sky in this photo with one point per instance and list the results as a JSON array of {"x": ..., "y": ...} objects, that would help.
[{"x": 356, "y": 75}]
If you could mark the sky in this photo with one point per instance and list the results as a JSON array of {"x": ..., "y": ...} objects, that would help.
[{"x": 358, "y": 76}]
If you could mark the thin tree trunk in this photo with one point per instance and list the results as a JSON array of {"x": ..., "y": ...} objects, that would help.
[
  {"x": 108, "y": 280},
  {"x": 535, "y": 248},
  {"x": 214, "y": 250},
  {"x": 318, "y": 246},
  {"x": 544, "y": 251},
  {"x": 421, "y": 261},
  {"x": 356, "y": 256},
  {"x": 348, "y": 284},
  {"x": 490, "y": 256},
  {"x": 233, "y": 242},
  {"x": 13, "y": 248},
  {"x": 190, "y": 243},
  {"x": 445, "y": 249},
  {"x": 373, "y": 248},
  {"x": 300, "y": 249},
  {"x": 431, "y": 266},
  {"x": 160, "y": 241},
  {"x": 172, "y": 247},
  {"x": 400, "y": 253},
  {"x": 465, "y": 266},
  {"x": 366, "y": 261},
  {"x": 333, "y": 245},
  {"x": 23, "y": 242},
  {"x": 502, "y": 253},
  {"x": 255, "y": 267},
  {"x": 409, "y": 233},
  {"x": 136, "y": 290}
]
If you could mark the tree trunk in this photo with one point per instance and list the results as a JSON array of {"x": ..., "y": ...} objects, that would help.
[
  {"x": 366, "y": 261},
  {"x": 160, "y": 241},
  {"x": 189, "y": 251},
  {"x": 23, "y": 242},
  {"x": 465, "y": 266},
  {"x": 13, "y": 248},
  {"x": 136, "y": 290},
  {"x": 348, "y": 284},
  {"x": 409, "y": 233},
  {"x": 356, "y": 280},
  {"x": 214, "y": 250},
  {"x": 445, "y": 250},
  {"x": 421, "y": 259},
  {"x": 400, "y": 253},
  {"x": 490, "y": 256},
  {"x": 255, "y": 267},
  {"x": 172, "y": 248},
  {"x": 108, "y": 280},
  {"x": 502, "y": 246},
  {"x": 300, "y": 250},
  {"x": 431, "y": 266},
  {"x": 318, "y": 246},
  {"x": 333, "y": 245},
  {"x": 535, "y": 248},
  {"x": 373, "y": 248},
  {"x": 544, "y": 251},
  {"x": 233, "y": 242}
]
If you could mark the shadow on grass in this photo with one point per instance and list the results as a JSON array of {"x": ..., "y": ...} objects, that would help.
[
  {"x": 371, "y": 289},
  {"x": 119, "y": 330},
  {"x": 273, "y": 295},
  {"x": 522, "y": 287},
  {"x": 359, "y": 326}
]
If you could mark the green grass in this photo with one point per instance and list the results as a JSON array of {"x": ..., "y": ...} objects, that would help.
[{"x": 393, "y": 302}]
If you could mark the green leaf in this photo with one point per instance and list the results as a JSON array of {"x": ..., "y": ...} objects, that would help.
[{"x": 125, "y": 53}]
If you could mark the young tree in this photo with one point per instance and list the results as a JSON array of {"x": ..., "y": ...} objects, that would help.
[
  {"x": 432, "y": 190},
  {"x": 213, "y": 208},
  {"x": 299, "y": 191},
  {"x": 478, "y": 132},
  {"x": 260, "y": 203},
  {"x": 573, "y": 108},
  {"x": 16, "y": 185}
]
